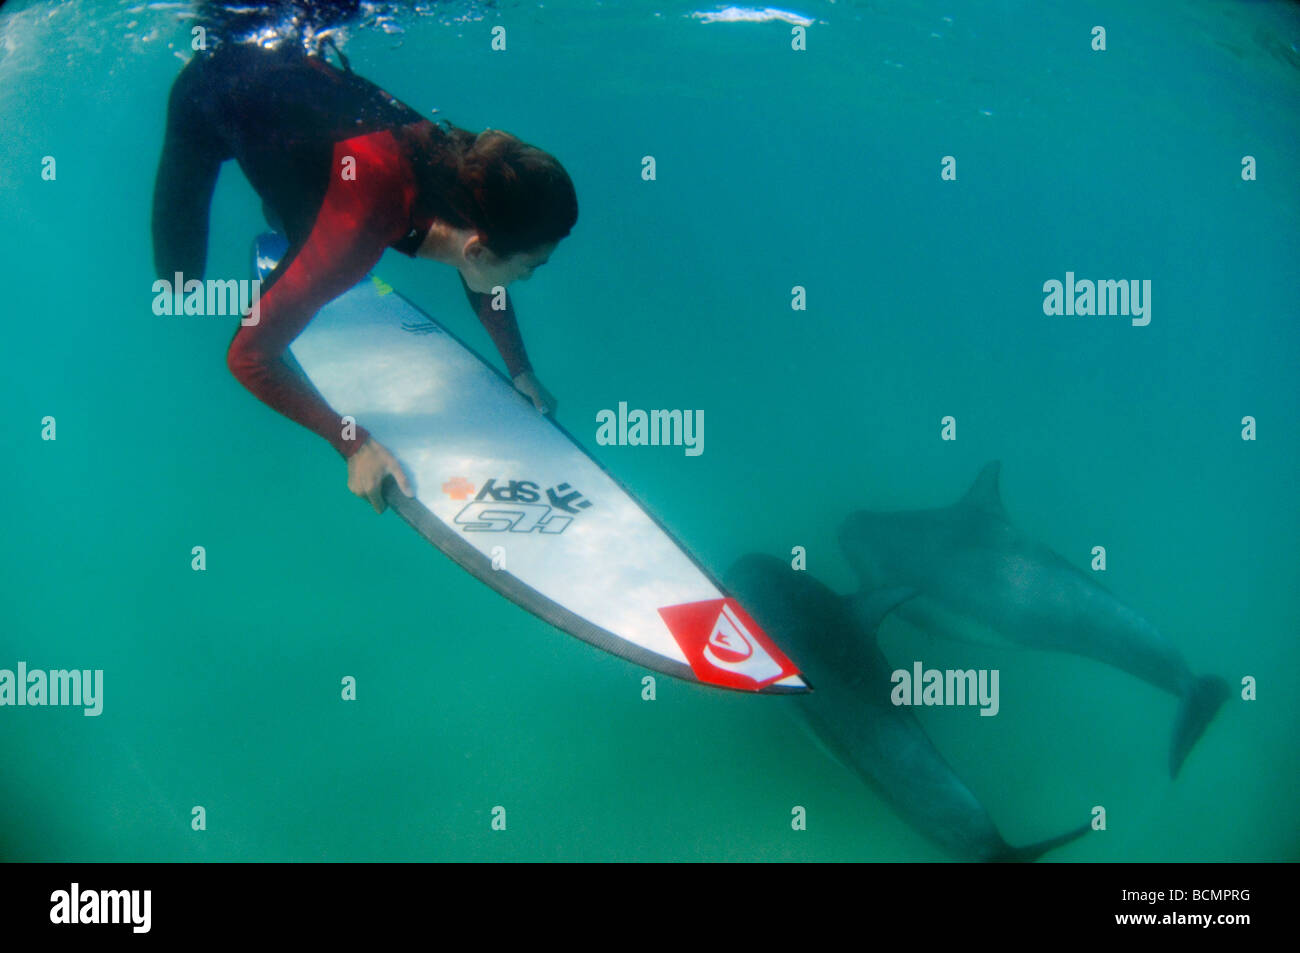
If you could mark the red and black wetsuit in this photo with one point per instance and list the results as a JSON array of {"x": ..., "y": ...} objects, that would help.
[{"x": 290, "y": 121}]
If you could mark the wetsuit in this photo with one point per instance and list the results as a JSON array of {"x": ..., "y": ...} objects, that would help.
[{"x": 290, "y": 121}]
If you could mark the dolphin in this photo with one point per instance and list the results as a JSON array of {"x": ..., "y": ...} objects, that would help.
[
  {"x": 849, "y": 710},
  {"x": 969, "y": 562}
]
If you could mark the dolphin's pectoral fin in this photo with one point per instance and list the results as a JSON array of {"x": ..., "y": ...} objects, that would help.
[
  {"x": 868, "y": 608},
  {"x": 1195, "y": 712},
  {"x": 1031, "y": 852},
  {"x": 984, "y": 493}
]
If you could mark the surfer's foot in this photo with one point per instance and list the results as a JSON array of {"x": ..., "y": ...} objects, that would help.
[{"x": 1196, "y": 711}]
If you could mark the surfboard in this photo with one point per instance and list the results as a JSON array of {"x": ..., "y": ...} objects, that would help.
[{"x": 515, "y": 500}]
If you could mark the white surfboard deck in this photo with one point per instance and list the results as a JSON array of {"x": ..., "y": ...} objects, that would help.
[{"x": 495, "y": 480}]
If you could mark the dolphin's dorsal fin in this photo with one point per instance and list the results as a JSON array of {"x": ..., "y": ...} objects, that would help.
[
  {"x": 984, "y": 493},
  {"x": 869, "y": 607}
]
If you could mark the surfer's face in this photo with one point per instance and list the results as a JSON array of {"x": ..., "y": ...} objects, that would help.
[{"x": 484, "y": 271}]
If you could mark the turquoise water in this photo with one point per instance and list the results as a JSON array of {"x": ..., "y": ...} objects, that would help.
[{"x": 775, "y": 168}]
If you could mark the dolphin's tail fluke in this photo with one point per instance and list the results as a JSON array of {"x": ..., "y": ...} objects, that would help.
[
  {"x": 1031, "y": 852},
  {"x": 1198, "y": 708}
]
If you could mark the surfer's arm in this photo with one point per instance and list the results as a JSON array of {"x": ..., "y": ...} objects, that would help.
[
  {"x": 347, "y": 238},
  {"x": 502, "y": 327},
  {"x": 504, "y": 330},
  {"x": 257, "y": 352}
]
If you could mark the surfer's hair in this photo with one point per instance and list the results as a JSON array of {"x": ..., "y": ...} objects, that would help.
[{"x": 515, "y": 196}]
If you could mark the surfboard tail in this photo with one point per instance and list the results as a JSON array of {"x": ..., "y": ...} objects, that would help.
[
  {"x": 1198, "y": 707},
  {"x": 1031, "y": 852}
]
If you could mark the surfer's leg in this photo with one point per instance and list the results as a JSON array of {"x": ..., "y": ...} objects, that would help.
[{"x": 187, "y": 174}]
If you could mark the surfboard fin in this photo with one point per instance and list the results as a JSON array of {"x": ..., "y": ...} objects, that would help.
[
  {"x": 1195, "y": 712},
  {"x": 1031, "y": 852}
]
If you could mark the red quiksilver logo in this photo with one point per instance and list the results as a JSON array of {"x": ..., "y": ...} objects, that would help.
[{"x": 724, "y": 646}]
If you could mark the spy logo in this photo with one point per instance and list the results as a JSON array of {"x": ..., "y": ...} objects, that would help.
[
  {"x": 561, "y": 496},
  {"x": 515, "y": 491},
  {"x": 458, "y": 488},
  {"x": 516, "y": 506},
  {"x": 724, "y": 646},
  {"x": 564, "y": 497}
]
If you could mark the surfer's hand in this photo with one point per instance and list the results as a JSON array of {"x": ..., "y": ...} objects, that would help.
[
  {"x": 367, "y": 469},
  {"x": 528, "y": 385}
]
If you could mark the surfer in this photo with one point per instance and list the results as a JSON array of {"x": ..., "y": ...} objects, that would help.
[{"x": 346, "y": 171}]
